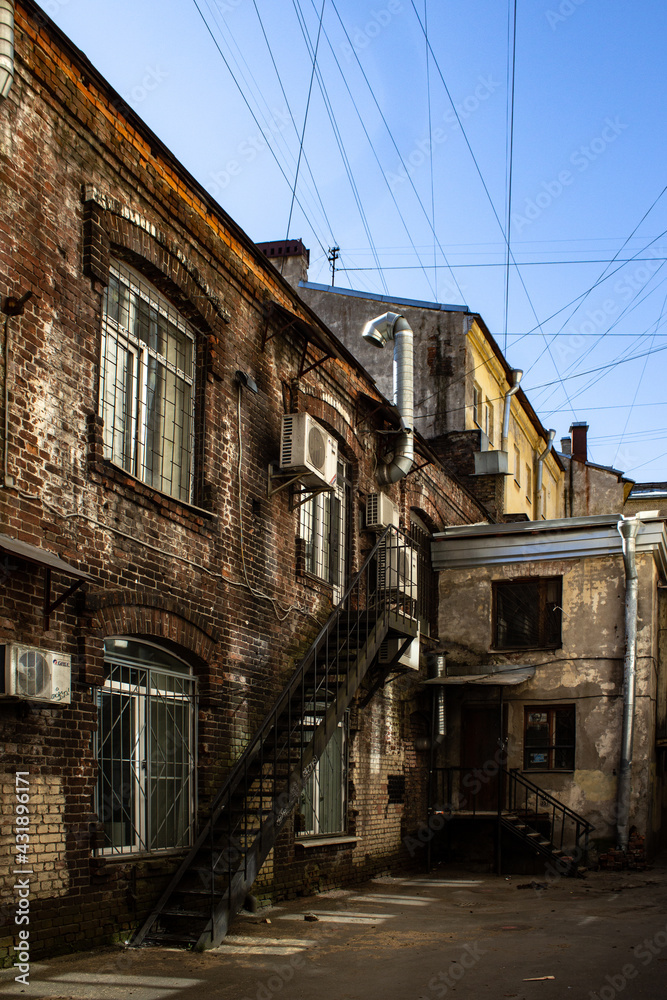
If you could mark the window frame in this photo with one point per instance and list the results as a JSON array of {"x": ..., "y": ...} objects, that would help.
[
  {"x": 553, "y": 747},
  {"x": 546, "y": 635},
  {"x": 141, "y": 790},
  {"x": 477, "y": 404},
  {"x": 314, "y": 782},
  {"x": 326, "y": 544},
  {"x": 175, "y": 388}
]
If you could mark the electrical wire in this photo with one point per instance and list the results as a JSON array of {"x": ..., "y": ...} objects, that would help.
[
  {"x": 341, "y": 147},
  {"x": 510, "y": 159},
  {"x": 393, "y": 141},
  {"x": 254, "y": 117},
  {"x": 287, "y": 104},
  {"x": 375, "y": 155},
  {"x": 305, "y": 119}
]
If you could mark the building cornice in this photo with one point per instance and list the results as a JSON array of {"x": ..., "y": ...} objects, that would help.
[{"x": 469, "y": 546}]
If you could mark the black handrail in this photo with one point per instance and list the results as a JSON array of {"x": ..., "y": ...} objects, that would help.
[
  {"x": 516, "y": 794},
  {"x": 265, "y": 782}
]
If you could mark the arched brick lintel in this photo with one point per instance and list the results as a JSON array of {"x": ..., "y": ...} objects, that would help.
[{"x": 174, "y": 628}]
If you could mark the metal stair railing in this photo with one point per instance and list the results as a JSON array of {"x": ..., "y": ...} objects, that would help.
[
  {"x": 264, "y": 785},
  {"x": 566, "y": 828}
]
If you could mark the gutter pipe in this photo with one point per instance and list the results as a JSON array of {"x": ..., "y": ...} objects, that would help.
[
  {"x": 540, "y": 470},
  {"x": 379, "y": 331},
  {"x": 628, "y": 529},
  {"x": 517, "y": 374},
  {"x": 6, "y": 46}
]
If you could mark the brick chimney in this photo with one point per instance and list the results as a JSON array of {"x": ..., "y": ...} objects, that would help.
[
  {"x": 290, "y": 257},
  {"x": 579, "y": 432}
]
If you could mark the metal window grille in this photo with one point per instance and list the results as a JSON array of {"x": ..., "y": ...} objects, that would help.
[
  {"x": 147, "y": 386},
  {"x": 324, "y": 531},
  {"x": 146, "y": 750},
  {"x": 323, "y": 805},
  {"x": 427, "y": 579},
  {"x": 528, "y": 613}
]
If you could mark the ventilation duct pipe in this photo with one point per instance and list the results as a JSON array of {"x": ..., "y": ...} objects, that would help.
[
  {"x": 379, "y": 331},
  {"x": 516, "y": 374},
  {"x": 540, "y": 474},
  {"x": 438, "y": 668},
  {"x": 6, "y": 46},
  {"x": 628, "y": 528}
]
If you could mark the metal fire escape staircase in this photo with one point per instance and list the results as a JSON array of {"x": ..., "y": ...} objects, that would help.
[
  {"x": 542, "y": 823},
  {"x": 266, "y": 782}
]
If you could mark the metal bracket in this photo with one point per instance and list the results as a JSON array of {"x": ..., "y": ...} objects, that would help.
[
  {"x": 285, "y": 480},
  {"x": 49, "y": 605}
]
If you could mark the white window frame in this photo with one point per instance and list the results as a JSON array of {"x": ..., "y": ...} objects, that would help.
[
  {"x": 132, "y": 453},
  {"x": 143, "y": 783},
  {"x": 318, "y": 533},
  {"x": 312, "y": 825}
]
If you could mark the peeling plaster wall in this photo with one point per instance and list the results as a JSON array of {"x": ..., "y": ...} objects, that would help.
[{"x": 587, "y": 671}]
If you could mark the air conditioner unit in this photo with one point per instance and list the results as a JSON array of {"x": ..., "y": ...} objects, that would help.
[
  {"x": 409, "y": 659},
  {"x": 37, "y": 674},
  {"x": 380, "y": 512},
  {"x": 305, "y": 447},
  {"x": 397, "y": 568}
]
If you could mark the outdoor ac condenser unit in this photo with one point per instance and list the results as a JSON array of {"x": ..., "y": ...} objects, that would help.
[
  {"x": 397, "y": 568},
  {"x": 409, "y": 659},
  {"x": 37, "y": 674},
  {"x": 306, "y": 448},
  {"x": 381, "y": 511}
]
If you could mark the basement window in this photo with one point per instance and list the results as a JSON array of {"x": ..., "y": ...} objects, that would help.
[
  {"x": 548, "y": 740},
  {"x": 527, "y": 613}
]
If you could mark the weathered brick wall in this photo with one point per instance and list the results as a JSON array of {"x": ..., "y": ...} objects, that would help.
[{"x": 81, "y": 184}]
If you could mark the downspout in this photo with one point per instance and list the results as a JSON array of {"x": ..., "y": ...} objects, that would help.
[
  {"x": 379, "y": 331},
  {"x": 516, "y": 378},
  {"x": 6, "y": 46},
  {"x": 628, "y": 528},
  {"x": 438, "y": 669},
  {"x": 540, "y": 474}
]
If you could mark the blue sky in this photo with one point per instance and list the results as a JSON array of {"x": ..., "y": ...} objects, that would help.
[{"x": 422, "y": 183}]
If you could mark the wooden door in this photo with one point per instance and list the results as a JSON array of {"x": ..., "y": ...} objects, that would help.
[{"x": 481, "y": 755}]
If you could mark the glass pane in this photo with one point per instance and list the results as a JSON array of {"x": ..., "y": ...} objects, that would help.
[
  {"x": 117, "y": 764},
  {"x": 517, "y": 615},
  {"x": 537, "y": 729}
]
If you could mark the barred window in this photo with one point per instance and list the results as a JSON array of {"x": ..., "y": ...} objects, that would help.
[
  {"x": 146, "y": 742},
  {"x": 324, "y": 531},
  {"x": 147, "y": 386},
  {"x": 528, "y": 613}
]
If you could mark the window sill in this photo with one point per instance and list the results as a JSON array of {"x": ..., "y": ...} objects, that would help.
[
  {"x": 142, "y": 491},
  {"x": 548, "y": 770},
  {"x": 340, "y": 841},
  {"x": 524, "y": 649}
]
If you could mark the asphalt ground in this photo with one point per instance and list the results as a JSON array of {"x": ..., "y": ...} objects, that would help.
[{"x": 453, "y": 933}]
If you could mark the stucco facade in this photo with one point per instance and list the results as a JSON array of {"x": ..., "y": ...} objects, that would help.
[
  {"x": 461, "y": 381},
  {"x": 578, "y": 668}
]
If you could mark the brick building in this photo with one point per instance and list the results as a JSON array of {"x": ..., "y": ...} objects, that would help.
[{"x": 162, "y": 576}]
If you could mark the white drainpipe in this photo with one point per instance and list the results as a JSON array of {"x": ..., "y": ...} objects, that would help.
[
  {"x": 516, "y": 378},
  {"x": 6, "y": 46},
  {"x": 628, "y": 528},
  {"x": 540, "y": 472},
  {"x": 379, "y": 331}
]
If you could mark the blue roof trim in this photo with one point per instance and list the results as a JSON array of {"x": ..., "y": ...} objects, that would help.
[{"x": 391, "y": 300}]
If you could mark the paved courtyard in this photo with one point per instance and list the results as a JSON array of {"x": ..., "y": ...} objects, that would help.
[{"x": 451, "y": 933}]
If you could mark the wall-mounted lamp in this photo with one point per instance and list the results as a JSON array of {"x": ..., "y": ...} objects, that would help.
[{"x": 242, "y": 378}]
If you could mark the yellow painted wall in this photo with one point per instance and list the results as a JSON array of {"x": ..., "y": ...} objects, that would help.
[{"x": 485, "y": 395}]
